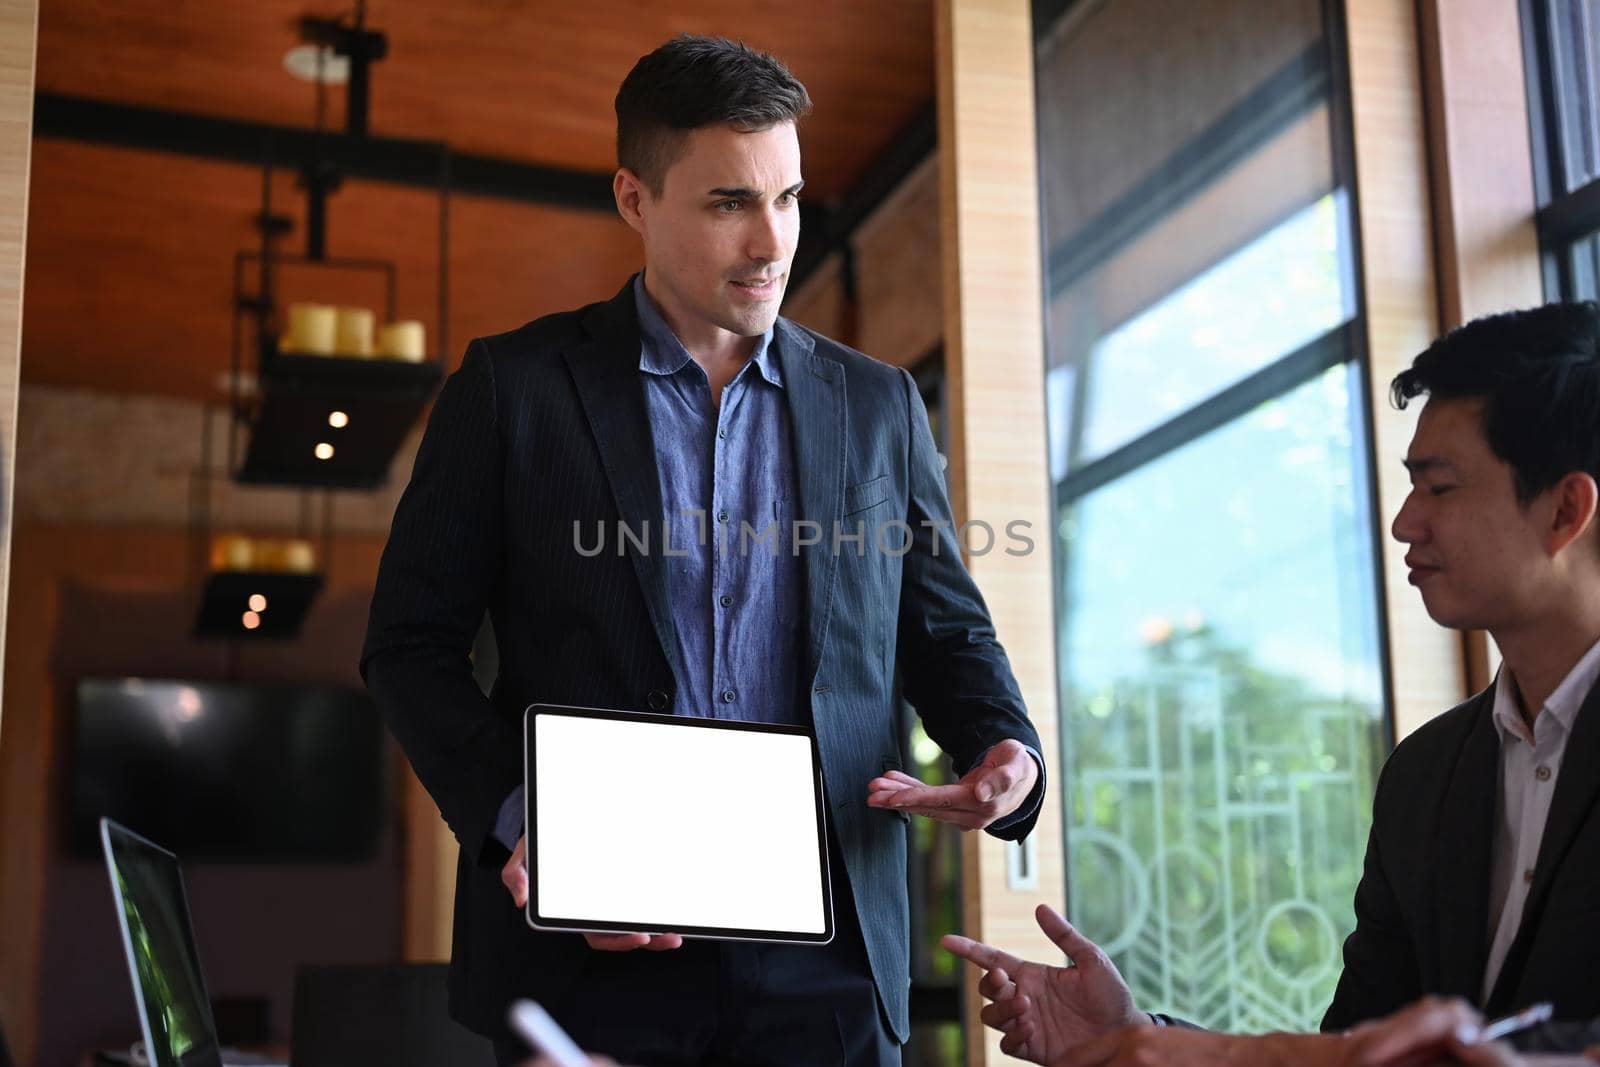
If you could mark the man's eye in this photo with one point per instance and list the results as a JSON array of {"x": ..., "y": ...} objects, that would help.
[
  {"x": 1439, "y": 490},
  {"x": 787, "y": 199},
  {"x": 728, "y": 207}
]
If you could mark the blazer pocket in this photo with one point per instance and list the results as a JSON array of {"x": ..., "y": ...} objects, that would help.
[{"x": 867, "y": 494}]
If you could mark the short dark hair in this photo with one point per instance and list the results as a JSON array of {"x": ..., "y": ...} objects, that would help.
[
  {"x": 691, "y": 82},
  {"x": 1538, "y": 375}
]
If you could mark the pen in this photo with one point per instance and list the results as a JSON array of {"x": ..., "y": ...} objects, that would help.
[{"x": 1532, "y": 1015}]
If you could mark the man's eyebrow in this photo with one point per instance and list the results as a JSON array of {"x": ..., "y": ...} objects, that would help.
[
  {"x": 1425, "y": 464},
  {"x": 741, "y": 192}
]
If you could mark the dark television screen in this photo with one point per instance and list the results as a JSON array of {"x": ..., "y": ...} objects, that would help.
[{"x": 229, "y": 772}]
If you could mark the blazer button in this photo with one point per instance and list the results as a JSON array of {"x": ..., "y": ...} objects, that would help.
[{"x": 657, "y": 699}]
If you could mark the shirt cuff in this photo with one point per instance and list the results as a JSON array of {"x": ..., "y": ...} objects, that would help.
[{"x": 508, "y": 824}]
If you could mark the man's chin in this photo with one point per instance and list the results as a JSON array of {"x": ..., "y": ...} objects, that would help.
[{"x": 751, "y": 322}]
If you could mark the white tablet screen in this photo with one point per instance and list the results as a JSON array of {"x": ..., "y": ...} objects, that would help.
[{"x": 657, "y": 823}]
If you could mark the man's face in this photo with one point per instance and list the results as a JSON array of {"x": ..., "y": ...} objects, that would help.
[
  {"x": 719, "y": 239},
  {"x": 1477, "y": 556}
]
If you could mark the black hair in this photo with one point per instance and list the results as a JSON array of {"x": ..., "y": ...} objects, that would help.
[
  {"x": 691, "y": 82},
  {"x": 1537, "y": 373}
]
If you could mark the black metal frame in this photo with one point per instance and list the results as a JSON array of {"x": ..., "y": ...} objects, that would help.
[
  {"x": 1562, "y": 218},
  {"x": 401, "y": 161}
]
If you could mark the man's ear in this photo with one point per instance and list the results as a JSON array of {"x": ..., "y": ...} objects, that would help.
[
  {"x": 629, "y": 190},
  {"x": 1576, "y": 498}
]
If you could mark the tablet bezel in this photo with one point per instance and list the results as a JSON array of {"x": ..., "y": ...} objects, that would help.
[{"x": 720, "y": 933}]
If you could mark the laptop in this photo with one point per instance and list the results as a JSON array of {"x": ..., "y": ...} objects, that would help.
[{"x": 158, "y": 940}]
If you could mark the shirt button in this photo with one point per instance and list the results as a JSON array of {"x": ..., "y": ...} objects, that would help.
[
  {"x": 1543, "y": 774},
  {"x": 726, "y": 601},
  {"x": 728, "y": 696},
  {"x": 722, "y": 434},
  {"x": 1527, "y": 876},
  {"x": 657, "y": 699},
  {"x": 722, "y": 516}
]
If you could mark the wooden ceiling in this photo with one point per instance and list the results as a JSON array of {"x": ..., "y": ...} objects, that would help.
[{"x": 130, "y": 252}]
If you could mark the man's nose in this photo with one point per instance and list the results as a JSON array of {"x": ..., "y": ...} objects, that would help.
[
  {"x": 1407, "y": 527},
  {"x": 765, "y": 240}
]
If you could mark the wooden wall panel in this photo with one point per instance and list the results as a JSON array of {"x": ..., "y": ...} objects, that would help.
[
  {"x": 1387, "y": 114},
  {"x": 19, "y": 944},
  {"x": 899, "y": 273},
  {"x": 994, "y": 359},
  {"x": 1482, "y": 166}
]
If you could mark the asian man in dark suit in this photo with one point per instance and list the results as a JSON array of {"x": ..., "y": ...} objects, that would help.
[
  {"x": 675, "y": 501},
  {"x": 1482, "y": 874}
]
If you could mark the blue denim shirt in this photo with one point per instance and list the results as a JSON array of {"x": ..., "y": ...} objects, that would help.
[{"x": 727, "y": 479}]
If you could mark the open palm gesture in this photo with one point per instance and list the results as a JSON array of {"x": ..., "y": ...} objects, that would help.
[{"x": 1045, "y": 1011}]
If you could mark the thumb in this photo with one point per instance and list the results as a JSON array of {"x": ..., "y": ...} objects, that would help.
[
  {"x": 1066, "y": 937},
  {"x": 994, "y": 775}
]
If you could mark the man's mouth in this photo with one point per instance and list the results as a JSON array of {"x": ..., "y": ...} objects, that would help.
[
  {"x": 757, "y": 286},
  {"x": 1419, "y": 571}
]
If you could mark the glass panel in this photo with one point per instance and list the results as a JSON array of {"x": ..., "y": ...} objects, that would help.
[
  {"x": 1194, "y": 231},
  {"x": 1281, "y": 291},
  {"x": 1583, "y": 268},
  {"x": 1221, "y": 683},
  {"x": 1576, "y": 77},
  {"x": 1223, "y": 712}
]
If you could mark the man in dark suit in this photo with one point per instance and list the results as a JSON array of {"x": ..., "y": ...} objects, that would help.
[
  {"x": 676, "y": 501},
  {"x": 1482, "y": 876}
]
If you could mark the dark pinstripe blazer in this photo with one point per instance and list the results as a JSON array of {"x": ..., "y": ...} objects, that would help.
[
  {"x": 546, "y": 426},
  {"x": 1422, "y": 908}
]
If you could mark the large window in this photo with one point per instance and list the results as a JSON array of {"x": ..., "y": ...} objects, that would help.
[
  {"x": 1561, "y": 46},
  {"x": 1219, "y": 640}
]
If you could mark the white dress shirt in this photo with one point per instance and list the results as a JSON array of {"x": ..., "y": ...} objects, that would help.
[{"x": 1530, "y": 763}]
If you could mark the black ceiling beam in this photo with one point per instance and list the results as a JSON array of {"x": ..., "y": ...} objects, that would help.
[
  {"x": 396, "y": 160},
  {"x": 827, "y": 228}
]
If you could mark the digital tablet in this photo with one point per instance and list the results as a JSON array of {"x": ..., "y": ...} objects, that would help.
[{"x": 643, "y": 823}]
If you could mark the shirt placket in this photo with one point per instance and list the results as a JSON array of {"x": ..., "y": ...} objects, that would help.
[{"x": 725, "y": 689}]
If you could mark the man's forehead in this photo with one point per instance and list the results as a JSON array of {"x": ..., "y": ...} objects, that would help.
[
  {"x": 1449, "y": 434},
  {"x": 724, "y": 157}
]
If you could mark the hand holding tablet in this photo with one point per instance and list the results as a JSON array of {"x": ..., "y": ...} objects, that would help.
[{"x": 515, "y": 877}]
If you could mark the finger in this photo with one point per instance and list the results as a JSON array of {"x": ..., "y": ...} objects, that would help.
[
  {"x": 1004, "y": 1014},
  {"x": 1426, "y": 1024},
  {"x": 903, "y": 778},
  {"x": 1066, "y": 937},
  {"x": 617, "y": 942},
  {"x": 958, "y": 794},
  {"x": 989, "y": 780},
  {"x": 514, "y": 876},
  {"x": 996, "y": 985},
  {"x": 1484, "y": 1054},
  {"x": 986, "y": 956},
  {"x": 967, "y": 820},
  {"x": 664, "y": 942}
]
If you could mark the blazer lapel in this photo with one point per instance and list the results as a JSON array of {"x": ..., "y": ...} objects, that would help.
[
  {"x": 606, "y": 371},
  {"x": 1577, "y": 790},
  {"x": 1461, "y": 862},
  {"x": 814, "y": 389}
]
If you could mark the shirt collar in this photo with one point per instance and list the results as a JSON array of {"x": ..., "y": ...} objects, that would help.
[
  {"x": 661, "y": 353},
  {"x": 1562, "y": 705}
]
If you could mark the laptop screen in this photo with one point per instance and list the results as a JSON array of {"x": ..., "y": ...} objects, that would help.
[{"x": 159, "y": 942}]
